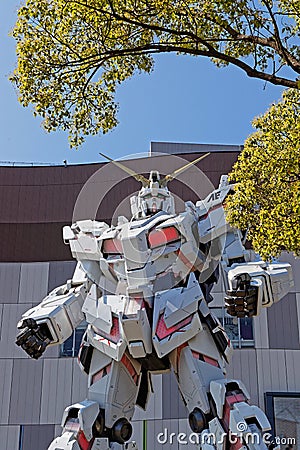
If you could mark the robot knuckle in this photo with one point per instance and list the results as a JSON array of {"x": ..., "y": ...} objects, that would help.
[{"x": 22, "y": 337}]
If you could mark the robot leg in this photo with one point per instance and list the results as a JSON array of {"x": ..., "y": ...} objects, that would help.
[
  {"x": 102, "y": 422},
  {"x": 219, "y": 409}
]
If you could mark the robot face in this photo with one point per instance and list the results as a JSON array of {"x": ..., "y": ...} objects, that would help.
[{"x": 152, "y": 199}]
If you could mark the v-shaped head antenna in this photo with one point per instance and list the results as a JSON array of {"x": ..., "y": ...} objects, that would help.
[
  {"x": 164, "y": 181},
  {"x": 176, "y": 172},
  {"x": 126, "y": 169}
]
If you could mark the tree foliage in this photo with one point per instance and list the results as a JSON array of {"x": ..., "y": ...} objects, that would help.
[
  {"x": 72, "y": 54},
  {"x": 267, "y": 174}
]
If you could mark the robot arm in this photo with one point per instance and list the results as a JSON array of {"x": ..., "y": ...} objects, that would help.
[
  {"x": 250, "y": 283},
  {"x": 256, "y": 285},
  {"x": 54, "y": 319}
]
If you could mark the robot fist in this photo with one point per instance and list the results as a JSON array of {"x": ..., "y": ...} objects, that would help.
[
  {"x": 33, "y": 338},
  {"x": 241, "y": 300}
]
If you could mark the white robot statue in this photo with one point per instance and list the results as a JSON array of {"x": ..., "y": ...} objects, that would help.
[{"x": 143, "y": 287}]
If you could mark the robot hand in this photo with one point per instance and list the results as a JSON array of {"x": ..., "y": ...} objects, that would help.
[
  {"x": 34, "y": 337},
  {"x": 241, "y": 300}
]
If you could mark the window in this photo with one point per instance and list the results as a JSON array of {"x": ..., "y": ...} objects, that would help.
[
  {"x": 240, "y": 331},
  {"x": 70, "y": 347},
  {"x": 283, "y": 411}
]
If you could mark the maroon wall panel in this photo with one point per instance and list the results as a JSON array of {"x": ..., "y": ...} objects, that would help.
[{"x": 36, "y": 202}]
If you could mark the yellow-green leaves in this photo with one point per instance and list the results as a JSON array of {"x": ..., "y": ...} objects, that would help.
[
  {"x": 267, "y": 176},
  {"x": 63, "y": 69},
  {"x": 73, "y": 54}
]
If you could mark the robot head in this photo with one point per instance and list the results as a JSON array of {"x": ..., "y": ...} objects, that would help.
[{"x": 152, "y": 198}]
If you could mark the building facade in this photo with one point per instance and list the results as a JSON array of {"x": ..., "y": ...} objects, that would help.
[{"x": 35, "y": 203}]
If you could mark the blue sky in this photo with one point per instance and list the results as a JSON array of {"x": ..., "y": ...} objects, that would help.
[{"x": 184, "y": 100}]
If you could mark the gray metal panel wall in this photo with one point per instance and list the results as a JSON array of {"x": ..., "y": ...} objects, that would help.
[
  {"x": 283, "y": 324},
  {"x": 33, "y": 282},
  {"x": 272, "y": 372},
  {"x": 260, "y": 328},
  {"x": 178, "y": 147},
  {"x": 155, "y": 404},
  {"x": 137, "y": 435},
  {"x": 56, "y": 389},
  {"x": 59, "y": 272},
  {"x": 9, "y": 437},
  {"x": 25, "y": 404},
  {"x": 1, "y": 315},
  {"x": 292, "y": 358},
  {"x": 6, "y": 366},
  {"x": 37, "y": 437},
  {"x": 295, "y": 263},
  {"x": 79, "y": 383},
  {"x": 244, "y": 368},
  {"x": 10, "y": 316},
  {"x": 9, "y": 282},
  {"x": 173, "y": 406}
]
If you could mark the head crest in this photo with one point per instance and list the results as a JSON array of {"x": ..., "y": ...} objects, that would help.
[
  {"x": 138, "y": 177},
  {"x": 164, "y": 181}
]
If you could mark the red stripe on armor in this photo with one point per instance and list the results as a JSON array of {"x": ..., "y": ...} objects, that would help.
[
  {"x": 226, "y": 416},
  {"x": 114, "y": 334},
  {"x": 102, "y": 373},
  {"x": 213, "y": 208},
  {"x": 237, "y": 445},
  {"x": 163, "y": 236},
  {"x": 84, "y": 444},
  {"x": 129, "y": 366},
  {"x": 112, "y": 246},
  {"x": 210, "y": 361},
  {"x": 230, "y": 400},
  {"x": 181, "y": 347},
  {"x": 205, "y": 358},
  {"x": 235, "y": 398},
  {"x": 240, "y": 398},
  {"x": 186, "y": 261},
  {"x": 162, "y": 331}
]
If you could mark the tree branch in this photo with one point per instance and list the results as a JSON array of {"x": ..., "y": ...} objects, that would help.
[{"x": 283, "y": 52}]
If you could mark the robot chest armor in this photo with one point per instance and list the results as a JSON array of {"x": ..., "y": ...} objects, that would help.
[{"x": 141, "y": 243}]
